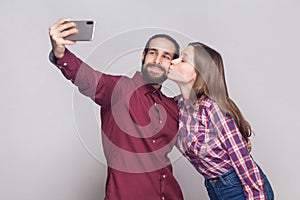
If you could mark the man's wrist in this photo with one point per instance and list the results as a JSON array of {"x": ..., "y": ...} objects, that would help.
[{"x": 52, "y": 57}]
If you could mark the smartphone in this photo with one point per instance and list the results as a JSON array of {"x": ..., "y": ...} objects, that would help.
[{"x": 85, "y": 29}]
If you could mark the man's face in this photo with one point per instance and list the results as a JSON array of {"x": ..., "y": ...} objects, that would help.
[{"x": 157, "y": 60}]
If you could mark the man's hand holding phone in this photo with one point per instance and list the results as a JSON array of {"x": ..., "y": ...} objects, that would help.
[{"x": 67, "y": 32}]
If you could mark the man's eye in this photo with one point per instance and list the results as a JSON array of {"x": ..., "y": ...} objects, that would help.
[{"x": 167, "y": 57}]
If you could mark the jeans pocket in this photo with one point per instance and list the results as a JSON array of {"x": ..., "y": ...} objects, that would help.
[
  {"x": 231, "y": 179},
  {"x": 233, "y": 192},
  {"x": 232, "y": 187}
]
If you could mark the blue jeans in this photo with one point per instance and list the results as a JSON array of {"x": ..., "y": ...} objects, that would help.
[{"x": 229, "y": 187}]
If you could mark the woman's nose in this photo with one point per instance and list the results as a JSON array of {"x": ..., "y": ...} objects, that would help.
[{"x": 175, "y": 61}]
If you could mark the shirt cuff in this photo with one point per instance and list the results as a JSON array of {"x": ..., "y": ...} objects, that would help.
[
  {"x": 52, "y": 57},
  {"x": 61, "y": 62}
]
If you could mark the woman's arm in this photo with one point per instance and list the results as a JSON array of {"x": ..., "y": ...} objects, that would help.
[{"x": 238, "y": 152}]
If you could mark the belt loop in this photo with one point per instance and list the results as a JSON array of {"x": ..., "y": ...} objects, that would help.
[
  {"x": 222, "y": 180},
  {"x": 212, "y": 181}
]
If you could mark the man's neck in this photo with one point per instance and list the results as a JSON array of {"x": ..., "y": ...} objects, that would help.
[{"x": 156, "y": 85}]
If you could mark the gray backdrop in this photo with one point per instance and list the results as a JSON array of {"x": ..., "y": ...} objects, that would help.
[{"x": 50, "y": 146}]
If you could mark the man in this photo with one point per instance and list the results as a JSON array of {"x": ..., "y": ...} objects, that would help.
[{"x": 139, "y": 123}]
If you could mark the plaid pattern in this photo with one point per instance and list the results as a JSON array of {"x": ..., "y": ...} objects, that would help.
[{"x": 211, "y": 141}]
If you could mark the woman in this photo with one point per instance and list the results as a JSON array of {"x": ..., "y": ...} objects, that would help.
[{"x": 213, "y": 134}]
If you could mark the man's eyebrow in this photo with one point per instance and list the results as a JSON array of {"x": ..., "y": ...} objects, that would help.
[
  {"x": 153, "y": 49},
  {"x": 170, "y": 54},
  {"x": 165, "y": 52}
]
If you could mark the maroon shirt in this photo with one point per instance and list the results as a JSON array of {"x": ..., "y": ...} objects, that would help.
[{"x": 139, "y": 129}]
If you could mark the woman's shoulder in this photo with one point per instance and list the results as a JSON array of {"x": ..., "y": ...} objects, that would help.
[{"x": 210, "y": 106}]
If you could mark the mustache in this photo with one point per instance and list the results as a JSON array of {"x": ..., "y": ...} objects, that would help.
[{"x": 155, "y": 65}]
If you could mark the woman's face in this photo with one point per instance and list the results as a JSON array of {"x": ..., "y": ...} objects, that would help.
[{"x": 182, "y": 70}]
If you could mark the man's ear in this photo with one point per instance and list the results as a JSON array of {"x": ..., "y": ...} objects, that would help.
[{"x": 143, "y": 57}]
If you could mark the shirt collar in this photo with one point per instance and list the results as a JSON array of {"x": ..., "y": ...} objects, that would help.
[
  {"x": 144, "y": 86},
  {"x": 183, "y": 102},
  {"x": 186, "y": 103}
]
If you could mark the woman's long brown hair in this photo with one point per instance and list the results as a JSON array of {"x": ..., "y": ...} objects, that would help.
[{"x": 211, "y": 82}]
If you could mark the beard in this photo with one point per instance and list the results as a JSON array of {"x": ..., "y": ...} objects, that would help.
[{"x": 151, "y": 77}]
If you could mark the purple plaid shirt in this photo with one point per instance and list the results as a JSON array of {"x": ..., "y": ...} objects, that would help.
[{"x": 212, "y": 142}]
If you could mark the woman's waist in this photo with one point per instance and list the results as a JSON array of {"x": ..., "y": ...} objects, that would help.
[{"x": 210, "y": 167}]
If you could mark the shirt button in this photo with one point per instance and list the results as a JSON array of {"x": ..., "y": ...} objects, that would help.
[
  {"x": 163, "y": 198},
  {"x": 164, "y": 176},
  {"x": 153, "y": 141},
  {"x": 65, "y": 64}
]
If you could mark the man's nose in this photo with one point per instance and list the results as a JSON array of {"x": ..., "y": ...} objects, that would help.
[{"x": 157, "y": 59}]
